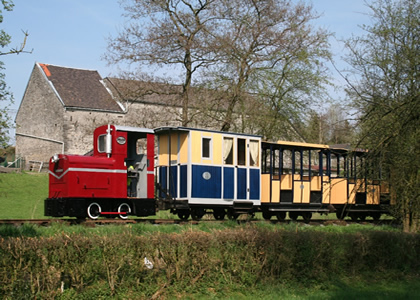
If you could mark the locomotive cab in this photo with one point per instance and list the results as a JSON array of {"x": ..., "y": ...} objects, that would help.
[{"x": 118, "y": 179}]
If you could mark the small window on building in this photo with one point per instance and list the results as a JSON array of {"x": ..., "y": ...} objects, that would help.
[
  {"x": 241, "y": 152},
  {"x": 101, "y": 143},
  {"x": 254, "y": 153},
  {"x": 206, "y": 144},
  {"x": 228, "y": 151}
]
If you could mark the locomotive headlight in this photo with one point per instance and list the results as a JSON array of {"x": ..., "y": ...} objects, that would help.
[{"x": 55, "y": 158}]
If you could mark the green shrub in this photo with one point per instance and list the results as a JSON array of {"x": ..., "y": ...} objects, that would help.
[{"x": 192, "y": 262}]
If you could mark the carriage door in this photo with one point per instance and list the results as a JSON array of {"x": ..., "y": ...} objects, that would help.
[{"x": 248, "y": 172}]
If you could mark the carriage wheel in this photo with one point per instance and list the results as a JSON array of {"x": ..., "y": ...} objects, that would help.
[
  {"x": 376, "y": 216},
  {"x": 307, "y": 216},
  {"x": 219, "y": 213},
  {"x": 124, "y": 208},
  {"x": 94, "y": 210},
  {"x": 353, "y": 216},
  {"x": 232, "y": 215},
  {"x": 197, "y": 213},
  {"x": 293, "y": 215},
  {"x": 183, "y": 214},
  {"x": 266, "y": 215},
  {"x": 339, "y": 214},
  {"x": 281, "y": 215}
]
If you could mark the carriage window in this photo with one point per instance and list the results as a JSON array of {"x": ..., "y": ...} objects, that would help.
[
  {"x": 206, "y": 143},
  {"x": 266, "y": 161},
  {"x": 254, "y": 153},
  {"x": 298, "y": 165},
  {"x": 228, "y": 151},
  {"x": 101, "y": 143},
  {"x": 287, "y": 162},
  {"x": 241, "y": 152},
  {"x": 277, "y": 162}
]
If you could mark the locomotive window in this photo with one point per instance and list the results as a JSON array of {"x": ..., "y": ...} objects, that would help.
[
  {"x": 101, "y": 143},
  {"x": 206, "y": 143},
  {"x": 228, "y": 150},
  {"x": 254, "y": 155},
  {"x": 241, "y": 152},
  {"x": 141, "y": 146}
]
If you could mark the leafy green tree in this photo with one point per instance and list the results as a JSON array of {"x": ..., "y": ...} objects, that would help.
[
  {"x": 385, "y": 88},
  {"x": 5, "y": 95}
]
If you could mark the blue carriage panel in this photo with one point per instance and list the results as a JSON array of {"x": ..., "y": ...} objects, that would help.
[
  {"x": 184, "y": 181},
  {"x": 162, "y": 180},
  {"x": 228, "y": 183},
  {"x": 206, "y": 182},
  {"x": 241, "y": 183},
  {"x": 254, "y": 184},
  {"x": 173, "y": 181}
]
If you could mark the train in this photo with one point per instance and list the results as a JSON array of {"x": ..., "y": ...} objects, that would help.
[{"x": 193, "y": 172}]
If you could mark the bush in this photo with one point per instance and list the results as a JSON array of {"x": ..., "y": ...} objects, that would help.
[{"x": 70, "y": 265}]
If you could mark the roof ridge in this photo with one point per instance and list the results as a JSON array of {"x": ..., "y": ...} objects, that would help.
[{"x": 57, "y": 66}]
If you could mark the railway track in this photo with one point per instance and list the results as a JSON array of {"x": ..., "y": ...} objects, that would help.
[{"x": 106, "y": 221}]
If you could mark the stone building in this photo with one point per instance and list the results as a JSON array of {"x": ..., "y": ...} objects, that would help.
[{"x": 62, "y": 106}]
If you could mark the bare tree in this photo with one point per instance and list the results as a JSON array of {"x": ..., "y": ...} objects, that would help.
[
  {"x": 5, "y": 94},
  {"x": 165, "y": 32},
  {"x": 268, "y": 49},
  {"x": 256, "y": 56}
]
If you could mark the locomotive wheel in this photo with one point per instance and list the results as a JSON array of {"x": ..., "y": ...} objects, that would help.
[
  {"x": 266, "y": 215},
  {"x": 94, "y": 210},
  {"x": 124, "y": 207},
  {"x": 219, "y": 213},
  {"x": 281, "y": 216},
  {"x": 197, "y": 213},
  {"x": 184, "y": 214}
]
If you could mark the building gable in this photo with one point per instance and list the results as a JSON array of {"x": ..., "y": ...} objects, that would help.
[{"x": 80, "y": 89}]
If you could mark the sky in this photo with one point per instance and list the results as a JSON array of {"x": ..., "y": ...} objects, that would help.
[{"x": 73, "y": 33}]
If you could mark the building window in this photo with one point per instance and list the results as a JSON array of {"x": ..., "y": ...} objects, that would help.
[{"x": 206, "y": 144}]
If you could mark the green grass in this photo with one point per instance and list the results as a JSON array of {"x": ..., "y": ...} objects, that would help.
[{"x": 22, "y": 195}]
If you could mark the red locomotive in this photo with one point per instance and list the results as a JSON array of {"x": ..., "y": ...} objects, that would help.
[{"x": 117, "y": 179}]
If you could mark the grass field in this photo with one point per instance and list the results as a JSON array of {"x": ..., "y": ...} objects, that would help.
[{"x": 22, "y": 195}]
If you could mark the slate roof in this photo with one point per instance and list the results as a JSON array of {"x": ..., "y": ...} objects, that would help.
[{"x": 78, "y": 88}]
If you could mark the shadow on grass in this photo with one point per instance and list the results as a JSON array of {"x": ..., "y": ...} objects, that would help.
[
  {"x": 18, "y": 231},
  {"x": 370, "y": 291}
]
